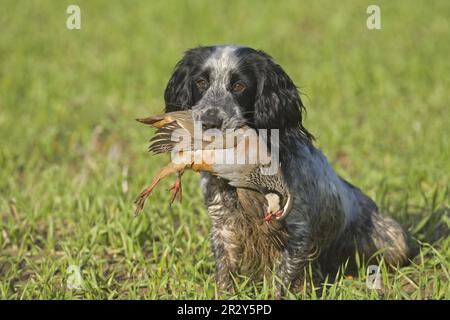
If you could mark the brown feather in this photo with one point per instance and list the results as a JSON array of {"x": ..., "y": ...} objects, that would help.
[{"x": 254, "y": 204}]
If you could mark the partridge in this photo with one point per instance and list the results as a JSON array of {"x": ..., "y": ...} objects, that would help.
[{"x": 259, "y": 193}]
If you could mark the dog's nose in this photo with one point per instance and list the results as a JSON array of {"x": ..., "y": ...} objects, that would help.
[{"x": 211, "y": 119}]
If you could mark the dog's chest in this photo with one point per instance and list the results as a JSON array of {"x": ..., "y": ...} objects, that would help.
[{"x": 240, "y": 232}]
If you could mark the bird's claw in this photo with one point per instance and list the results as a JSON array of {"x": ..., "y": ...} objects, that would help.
[
  {"x": 176, "y": 189},
  {"x": 140, "y": 200}
]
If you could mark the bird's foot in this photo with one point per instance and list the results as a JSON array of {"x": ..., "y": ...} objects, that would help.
[
  {"x": 140, "y": 200},
  {"x": 269, "y": 216},
  {"x": 176, "y": 189}
]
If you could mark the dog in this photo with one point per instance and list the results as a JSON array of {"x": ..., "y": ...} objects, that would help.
[{"x": 330, "y": 220}]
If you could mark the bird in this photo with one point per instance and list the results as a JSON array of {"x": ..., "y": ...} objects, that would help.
[{"x": 259, "y": 193}]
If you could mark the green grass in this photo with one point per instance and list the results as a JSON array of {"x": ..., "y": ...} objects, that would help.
[{"x": 72, "y": 159}]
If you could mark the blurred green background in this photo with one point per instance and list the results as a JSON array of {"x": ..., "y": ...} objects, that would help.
[{"x": 72, "y": 158}]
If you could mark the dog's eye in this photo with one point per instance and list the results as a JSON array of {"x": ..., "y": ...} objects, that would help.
[
  {"x": 238, "y": 87},
  {"x": 202, "y": 84}
]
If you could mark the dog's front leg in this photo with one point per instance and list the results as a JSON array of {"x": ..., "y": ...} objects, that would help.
[
  {"x": 291, "y": 273},
  {"x": 226, "y": 250},
  {"x": 221, "y": 201},
  {"x": 294, "y": 263}
]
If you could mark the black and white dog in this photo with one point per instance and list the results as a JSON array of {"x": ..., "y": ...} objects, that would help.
[{"x": 330, "y": 220}]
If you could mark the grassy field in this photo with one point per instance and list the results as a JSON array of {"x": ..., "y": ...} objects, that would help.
[{"x": 72, "y": 159}]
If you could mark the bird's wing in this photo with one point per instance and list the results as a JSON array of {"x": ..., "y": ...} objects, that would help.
[
  {"x": 179, "y": 126},
  {"x": 225, "y": 163},
  {"x": 163, "y": 141}
]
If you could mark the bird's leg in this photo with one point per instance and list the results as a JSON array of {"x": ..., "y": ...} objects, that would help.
[
  {"x": 176, "y": 188},
  {"x": 169, "y": 169},
  {"x": 140, "y": 200},
  {"x": 269, "y": 216}
]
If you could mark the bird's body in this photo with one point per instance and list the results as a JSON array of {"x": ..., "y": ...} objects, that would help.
[{"x": 260, "y": 194}]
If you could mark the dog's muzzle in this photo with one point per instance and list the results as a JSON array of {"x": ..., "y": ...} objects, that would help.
[{"x": 220, "y": 115}]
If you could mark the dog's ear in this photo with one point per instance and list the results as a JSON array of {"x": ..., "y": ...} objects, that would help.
[
  {"x": 278, "y": 104},
  {"x": 178, "y": 93}
]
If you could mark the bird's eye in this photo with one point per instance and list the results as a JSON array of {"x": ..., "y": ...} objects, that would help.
[
  {"x": 238, "y": 87},
  {"x": 202, "y": 84}
]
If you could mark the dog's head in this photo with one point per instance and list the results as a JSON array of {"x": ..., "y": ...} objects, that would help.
[{"x": 230, "y": 86}]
